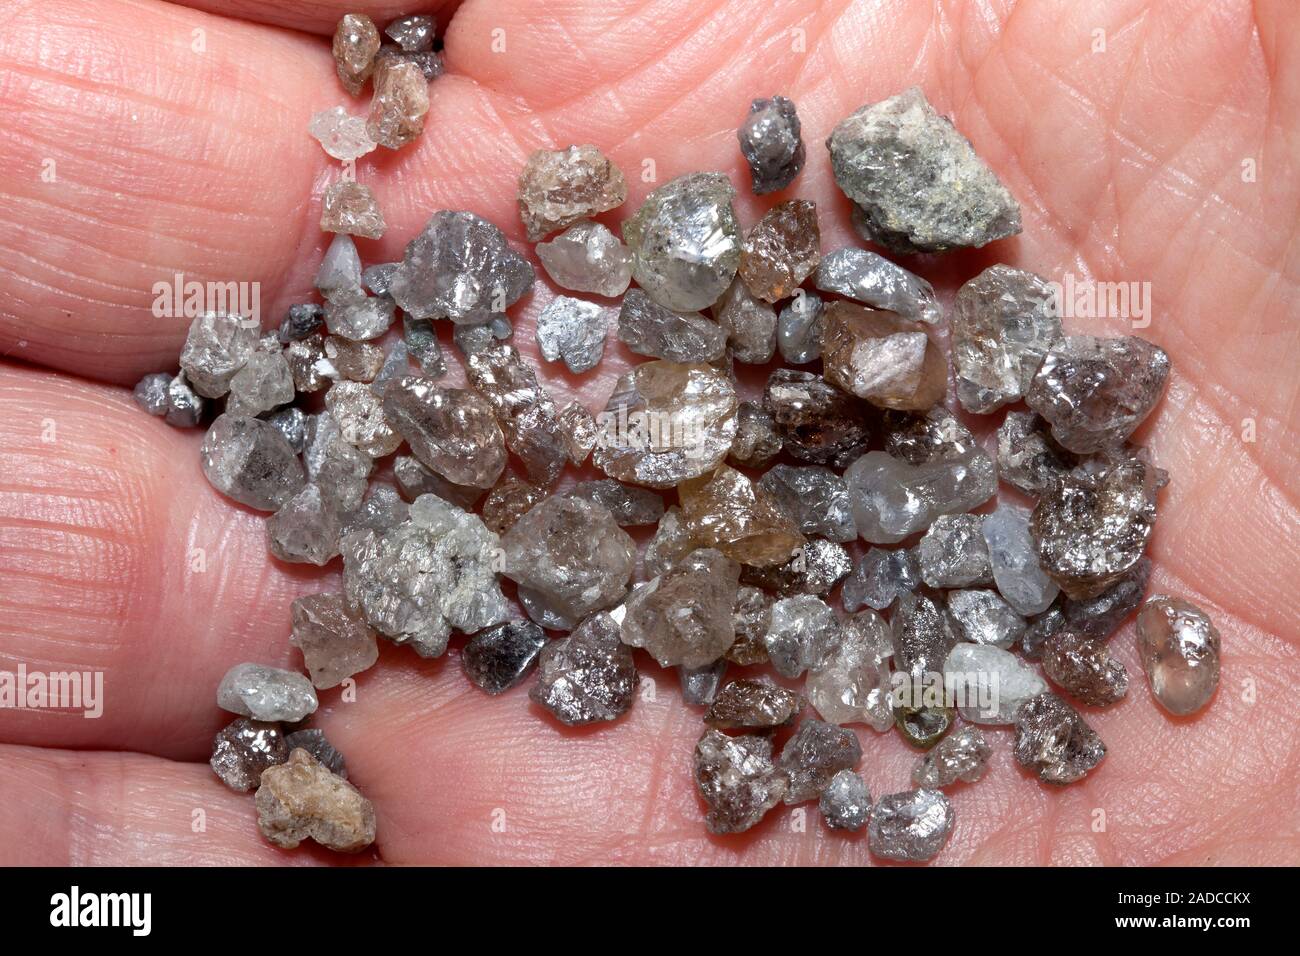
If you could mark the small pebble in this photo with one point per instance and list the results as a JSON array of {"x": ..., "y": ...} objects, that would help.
[
  {"x": 910, "y": 826},
  {"x": 266, "y": 693}
]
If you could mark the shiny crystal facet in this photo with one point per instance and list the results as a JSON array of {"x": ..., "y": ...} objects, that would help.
[
  {"x": 361, "y": 420},
  {"x": 508, "y": 501},
  {"x": 803, "y": 635},
  {"x": 629, "y": 505},
  {"x": 1014, "y": 560},
  {"x": 561, "y": 186},
  {"x": 244, "y": 749},
  {"x": 266, "y": 693},
  {"x": 737, "y": 779},
  {"x": 953, "y": 553},
  {"x": 523, "y": 408},
  {"x": 921, "y": 634},
  {"x": 248, "y": 459},
  {"x": 845, "y": 804},
  {"x": 816, "y": 753},
  {"x": 700, "y": 684},
  {"x": 874, "y": 280},
  {"x": 815, "y": 568},
  {"x": 1179, "y": 648},
  {"x": 588, "y": 676},
  {"x": 1029, "y": 458},
  {"x": 852, "y": 684},
  {"x": 264, "y": 382},
  {"x": 685, "y": 241},
  {"x": 349, "y": 206},
  {"x": 453, "y": 431},
  {"x": 725, "y": 510},
  {"x": 1084, "y": 669},
  {"x": 757, "y": 441},
  {"x": 880, "y": 577},
  {"x": 911, "y": 826},
  {"x": 502, "y": 656},
  {"x": 879, "y": 356},
  {"x": 893, "y": 499},
  {"x": 216, "y": 347},
  {"x": 1054, "y": 741},
  {"x": 782, "y": 250},
  {"x": 989, "y": 683},
  {"x": 335, "y": 464},
  {"x": 754, "y": 705},
  {"x": 647, "y": 328},
  {"x": 751, "y": 619},
  {"x": 684, "y": 616},
  {"x": 961, "y": 756},
  {"x": 670, "y": 543},
  {"x": 573, "y": 330},
  {"x": 918, "y": 182},
  {"x": 335, "y": 642},
  {"x": 982, "y": 617},
  {"x": 578, "y": 427},
  {"x": 800, "y": 326},
  {"x": 306, "y": 528},
  {"x": 414, "y": 34},
  {"x": 355, "y": 315},
  {"x": 750, "y": 324}
]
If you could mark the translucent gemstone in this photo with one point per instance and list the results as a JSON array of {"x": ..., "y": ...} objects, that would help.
[
  {"x": 754, "y": 704},
  {"x": 670, "y": 543},
  {"x": 803, "y": 635},
  {"x": 266, "y": 693},
  {"x": 923, "y": 727},
  {"x": 874, "y": 280},
  {"x": 573, "y": 330},
  {"x": 700, "y": 684},
  {"x": 982, "y": 617},
  {"x": 501, "y": 657},
  {"x": 917, "y": 181},
  {"x": 150, "y": 393},
  {"x": 750, "y": 324},
  {"x": 245, "y": 748},
  {"x": 349, "y": 206},
  {"x": 737, "y": 779},
  {"x": 815, "y": 754},
  {"x": 647, "y": 328},
  {"x": 558, "y": 187},
  {"x": 1089, "y": 530},
  {"x": 684, "y": 616},
  {"x": 751, "y": 619},
  {"x": 525, "y": 411},
  {"x": 570, "y": 559},
  {"x": 579, "y": 430},
  {"x": 428, "y": 62},
  {"x": 342, "y": 136},
  {"x": 961, "y": 756},
  {"x": 300, "y": 800},
  {"x": 588, "y": 676},
  {"x": 301, "y": 321},
  {"x": 845, "y": 804},
  {"x": 216, "y": 347},
  {"x": 815, "y": 497},
  {"x": 335, "y": 642},
  {"x": 399, "y": 104},
  {"x": 1096, "y": 391},
  {"x": 629, "y": 506},
  {"x": 852, "y": 685},
  {"x": 666, "y": 423},
  {"x": 953, "y": 554},
  {"x": 510, "y": 500},
  {"x": 310, "y": 368},
  {"x": 924, "y": 439},
  {"x": 921, "y": 636},
  {"x": 818, "y": 423},
  {"x": 1084, "y": 669},
  {"x": 335, "y": 464},
  {"x": 799, "y": 328},
  {"x": 1100, "y": 616},
  {"x": 771, "y": 144},
  {"x": 172, "y": 398},
  {"x": 911, "y": 826},
  {"x": 315, "y": 743},
  {"x": 355, "y": 315},
  {"x": 420, "y": 342},
  {"x": 587, "y": 257},
  {"x": 781, "y": 250},
  {"x": 434, "y": 572},
  {"x": 1179, "y": 648},
  {"x": 1028, "y": 457},
  {"x": 882, "y": 357},
  {"x": 892, "y": 499},
  {"x": 247, "y": 459},
  {"x": 1004, "y": 322},
  {"x": 725, "y": 510},
  {"x": 356, "y": 41},
  {"x": 685, "y": 241},
  {"x": 460, "y": 267},
  {"x": 451, "y": 430},
  {"x": 757, "y": 441},
  {"x": 815, "y": 568},
  {"x": 414, "y": 479},
  {"x": 1014, "y": 560},
  {"x": 355, "y": 361},
  {"x": 989, "y": 683},
  {"x": 339, "y": 273},
  {"x": 880, "y": 577},
  {"x": 360, "y": 418},
  {"x": 264, "y": 382},
  {"x": 414, "y": 34},
  {"x": 306, "y": 528},
  {"x": 1054, "y": 742}
]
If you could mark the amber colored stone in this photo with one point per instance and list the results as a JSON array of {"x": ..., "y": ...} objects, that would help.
[
  {"x": 399, "y": 105},
  {"x": 560, "y": 186},
  {"x": 509, "y": 501},
  {"x": 880, "y": 356},
  {"x": 725, "y": 510},
  {"x": 349, "y": 206},
  {"x": 818, "y": 422},
  {"x": 356, "y": 41},
  {"x": 782, "y": 250}
]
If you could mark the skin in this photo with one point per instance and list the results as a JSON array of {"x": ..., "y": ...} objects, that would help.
[{"x": 1128, "y": 164}]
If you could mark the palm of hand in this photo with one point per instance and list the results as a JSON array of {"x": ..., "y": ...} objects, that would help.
[{"x": 1132, "y": 163}]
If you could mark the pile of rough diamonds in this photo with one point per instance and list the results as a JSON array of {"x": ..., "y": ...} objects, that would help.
[{"x": 964, "y": 612}]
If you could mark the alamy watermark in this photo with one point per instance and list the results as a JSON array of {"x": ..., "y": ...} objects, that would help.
[
  {"x": 190, "y": 298},
  {"x": 53, "y": 690},
  {"x": 650, "y": 431},
  {"x": 1077, "y": 298}
]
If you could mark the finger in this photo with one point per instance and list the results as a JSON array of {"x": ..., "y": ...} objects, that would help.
[
  {"x": 117, "y": 557},
  {"x": 321, "y": 16},
  {"x": 64, "y": 808}
]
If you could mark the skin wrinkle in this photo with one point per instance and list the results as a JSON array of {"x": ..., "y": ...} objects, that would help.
[{"x": 550, "y": 802}]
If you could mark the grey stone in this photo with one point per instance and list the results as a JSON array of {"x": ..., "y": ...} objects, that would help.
[
  {"x": 817, "y": 421},
  {"x": 804, "y": 633},
  {"x": 911, "y": 826},
  {"x": 799, "y": 328},
  {"x": 573, "y": 330},
  {"x": 360, "y": 416},
  {"x": 301, "y": 321},
  {"x": 1014, "y": 560},
  {"x": 502, "y": 656},
  {"x": 684, "y": 616},
  {"x": 757, "y": 441},
  {"x": 243, "y": 749},
  {"x": 525, "y": 411},
  {"x": 881, "y": 576},
  {"x": 315, "y": 743},
  {"x": 1029, "y": 458},
  {"x": 355, "y": 315},
  {"x": 588, "y": 676},
  {"x": 247, "y": 459},
  {"x": 814, "y": 755},
  {"x": 216, "y": 347},
  {"x": 845, "y": 804},
  {"x": 629, "y": 505},
  {"x": 421, "y": 344},
  {"x": 647, "y": 328},
  {"x": 266, "y": 693},
  {"x": 737, "y": 779},
  {"x": 921, "y": 635},
  {"x": 816, "y": 567},
  {"x": 816, "y": 497},
  {"x": 754, "y": 705},
  {"x": 339, "y": 273},
  {"x": 953, "y": 553},
  {"x": 982, "y": 617},
  {"x": 306, "y": 528},
  {"x": 961, "y": 756},
  {"x": 749, "y": 322},
  {"x": 893, "y": 499},
  {"x": 852, "y": 685},
  {"x": 700, "y": 684},
  {"x": 452, "y": 431},
  {"x": 335, "y": 464},
  {"x": 873, "y": 279},
  {"x": 1179, "y": 647},
  {"x": 771, "y": 144},
  {"x": 1054, "y": 741}
]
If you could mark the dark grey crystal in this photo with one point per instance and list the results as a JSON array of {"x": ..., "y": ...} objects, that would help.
[
  {"x": 1029, "y": 458},
  {"x": 911, "y": 826},
  {"x": 301, "y": 321},
  {"x": 243, "y": 749},
  {"x": 817, "y": 421},
  {"x": 588, "y": 676},
  {"x": 845, "y": 804},
  {"x": 770, "y": 141},
  {"x": 248, "y": 460},
  {"x": 700, "y": 684},
  {"x": 315, "y": 743},
  {"x": 737, "y": 779},
  {"x": 754, "y": 705},
  {"x": 502, "y": 656},
  {"x": 647, "y": 328},
  {"x": 815, "y": 754},
  {"x": 816, "y": 497},
  {"x": 1054, "y": 741}
]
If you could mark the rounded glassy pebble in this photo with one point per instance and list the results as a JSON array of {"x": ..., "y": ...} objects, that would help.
[
  {"x": 249, "y": 460},
  {"x": 910, "y": 826},
  {"x": 817, "y": 751},
  {"x": 963, "y": 755},
  {"x": 685, "y": 241},
  {"x": 1179, "y": 648},
  {"x": 266, "y": 693},
  {"x": 300, "y": 800},
  {"x": 502, "y": 656},
  {"x": 1014, "y": 562},
  {"x": 893, "y": 499},
  {"x": 737, "y": 779},
  {"x": 845, "y": 804},
  {"x": 587, "y": 257},
  {"x": 799, "y": 328},
  {"x": 245, "y": 748},
  {"x": 1054, "y": 741}
]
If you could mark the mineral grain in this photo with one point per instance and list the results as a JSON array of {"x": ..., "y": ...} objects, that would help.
[
  {"x": 874, "y": 280},
  {"x": 881, "y": 576},
  {"x": 216, "y": 347},
  {"x": 573, "y": 330},
  {"x": 737, "y": 779},
  {"x": 893, "y": 499},
  {"x": 399, "y": 105},
  {"x": 845, "y": 804},
  {"x": 818, "y": 423},
  {"x": 982, "y": 617},
  {"x": 750, "y": 324},
  {"x": 961, "y": 756},
  {"x": 335, "y": 642},
  {"x": 771, "y": 143},
  {"x": 306, "y": 528},
  {"x": 588, "y": 676},
  {"x": 684, "y": 616},
  {"x": 757, "y": 441},
  {"x": 953, "y": 553},
  {"x": 647, "y": 328},
  {"x": 508, "y": 501},
  {"x": 911, "y": 826},
  {"x": 559, "y": 187},
  {"x": 1054, "y": 741},
  {"x": 244, "y": 749},
  {"x": 502, "y": 656},
  {"x": 800, "y": 326},
  {"x": 725, "y": 510},
  {"x": 360, "y": 417},
  {"x": 803, "y": 635},
  {"x": 754, "y": 705},
  {"x": 882, "y": 357},
  {"x": 266, "y": 693},
  {"x": 852, "y": 684},
  {"x": 989, "y": 683},
  {"x": 356, "y": 41},
  {"x": 782, "y": 250},
  {"x": 1179, "y": 648},
  {"x": 342, "y": 136},
  {"x": 814, "y": 755},
  {"x": 1084, "y": 669},
  {"x": 1028, "y": 456},
  {"x": 1014, "y": 560},
  {"x": 630, "y": 506},
  {"x": 525, "y": 411},
  {"x": 301, "y": 800},
  {"x": 587, "y": 257},
  {"x": 349, "y": 206},
  {"x": 247, "y": 459}
]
